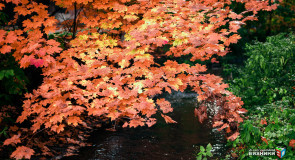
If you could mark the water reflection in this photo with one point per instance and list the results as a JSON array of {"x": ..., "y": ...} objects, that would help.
[{"x": 162, "y": 141}]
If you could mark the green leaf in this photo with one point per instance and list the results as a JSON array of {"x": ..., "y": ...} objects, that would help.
[
  {"x": 51, "y": 36},
  {"x": 209, "y": 154},
  {"x": 199, "y": 157},
  {"x": 243, "y": 156},
  {"x": 202, "y": 149},
  {"x": 9, "y": 73},
  {"x": 6, "y": 73},
  {"x": 209, "y": 147}
]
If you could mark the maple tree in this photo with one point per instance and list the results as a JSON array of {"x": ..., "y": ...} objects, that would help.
[{"x": 99, "y": 73}]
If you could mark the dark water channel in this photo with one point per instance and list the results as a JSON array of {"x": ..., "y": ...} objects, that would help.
[{"x": 161, "y": 141}]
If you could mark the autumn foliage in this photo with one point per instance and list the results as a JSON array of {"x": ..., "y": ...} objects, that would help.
[{"x": 98, "y": 73}]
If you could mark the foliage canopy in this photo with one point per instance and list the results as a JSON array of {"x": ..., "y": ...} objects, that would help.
[{"x": 99, "y": 73}]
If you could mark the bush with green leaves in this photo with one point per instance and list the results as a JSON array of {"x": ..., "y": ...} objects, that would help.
[
  {"x": 12, "y": 80},
  {"x": 204, "y": 153},
  {"x": 13, "y": 84},
  {"x": 266, "y": 84},
  {"x": 269, "y": 126},
  {"x": 269, "y": 72}
]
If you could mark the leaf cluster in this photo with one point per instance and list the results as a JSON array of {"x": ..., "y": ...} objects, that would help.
[{"x": 204, "y": 153}]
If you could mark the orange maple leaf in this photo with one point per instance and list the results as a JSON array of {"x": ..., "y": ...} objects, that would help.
[
  {"x": 232, "y": 39},
  {"x": 58, "y": 128},
  {"x": 263, "y": 121},
  {"x": 11, "y": 37},
  {"x": 5, "y": 49},
  {"x": 1, "y": 6},
  {"x": 13, "y": 140},
  {"x": 165, "y": 106},
  {"x": 22, "y": 152},
  {"x": 52, "y": 42},
  {"x": 151, "y": 122},
  {"x": 136, "y": 122},
  {"x": 168, "y": 119},
  {"x": 2, "y": 34},
  {"x": 264, "y": 140},
  {"x": 234, "y": 136},
  {"x": 74, "y": 120},
  {"x": 213, "y": 60},
  {"x": 218, "y": 123},
  {"x": 223, "y": 126}
]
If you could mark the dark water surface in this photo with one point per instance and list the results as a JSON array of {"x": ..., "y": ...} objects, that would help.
[{"x": 161, "y": 141}]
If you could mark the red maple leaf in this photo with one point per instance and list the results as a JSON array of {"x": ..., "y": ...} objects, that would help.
[
  {"x": 292, "y": 143},
  {"x": 37, "y": 62}
]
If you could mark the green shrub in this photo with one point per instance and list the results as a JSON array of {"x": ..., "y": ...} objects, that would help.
[
  {"x": 13, "y": 83},
  {"x": 268, "y": 74},
  {"x": 275, "y": 122},
  {"x": 12, "y": 80},
  {"x": 265, "y": 84},
  {"x": 204, "y": 152}
]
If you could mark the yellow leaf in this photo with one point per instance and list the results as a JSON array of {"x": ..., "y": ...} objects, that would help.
[{"x": 130, "y": 17}]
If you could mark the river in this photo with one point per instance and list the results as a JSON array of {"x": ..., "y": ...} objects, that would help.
[{"x": 161, "y": 141}]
